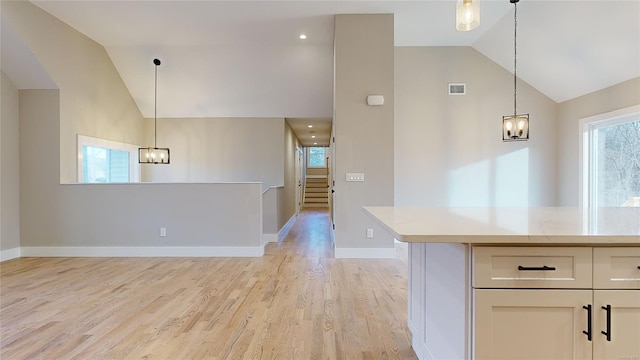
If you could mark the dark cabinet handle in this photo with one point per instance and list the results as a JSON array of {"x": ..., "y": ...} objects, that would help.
[
  {"x": 588, "y": 331},
  {"x": 543, "y": 268},
  {"x": 608, "y": 332}
]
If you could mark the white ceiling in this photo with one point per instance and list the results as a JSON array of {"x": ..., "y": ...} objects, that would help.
[
  {"x": 244, "y": 58},
  {"x": 311, "y": 132}
]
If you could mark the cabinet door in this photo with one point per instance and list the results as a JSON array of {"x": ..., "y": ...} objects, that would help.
[
  {"x": 531, "y": 324},
  {"x": 623, "y": 325}
]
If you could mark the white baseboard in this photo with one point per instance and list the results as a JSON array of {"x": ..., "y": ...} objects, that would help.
[
  {"x": 365, "y": 253},
  {"x": 9, "y": 254},
  {"x": 267, "y": 238},
  {"x": 142, "y": 251},
  {"x": 287, "y": 226}
]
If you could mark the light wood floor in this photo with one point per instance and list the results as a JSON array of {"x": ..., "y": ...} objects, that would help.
[{"x": 296, "y": 302}]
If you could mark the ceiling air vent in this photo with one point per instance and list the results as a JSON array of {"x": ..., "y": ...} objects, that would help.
[{"x": 457, "y": 89}]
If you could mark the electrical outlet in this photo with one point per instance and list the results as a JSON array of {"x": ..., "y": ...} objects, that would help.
[
  {"x": 163, "y": 232},
  {"x": 370, "y": 233}
]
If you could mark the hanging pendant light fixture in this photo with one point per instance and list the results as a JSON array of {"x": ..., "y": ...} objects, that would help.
[
  {"x": 154, "y": 155},
  {"x": 515, "y": 127},
  {"x": 467, "y": 15}
]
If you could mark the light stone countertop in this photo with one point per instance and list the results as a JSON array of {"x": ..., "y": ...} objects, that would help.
[{"x": 504, "y": 225}]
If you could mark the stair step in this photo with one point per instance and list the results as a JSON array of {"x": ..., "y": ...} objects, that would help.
[
  {"x": 317, "y": 189},
  {"x": 324, "y": 194},
  {"x": 315, "y": 200},
  {"x": 311, "y": 206},
  {"x": 324, "y": 179}
]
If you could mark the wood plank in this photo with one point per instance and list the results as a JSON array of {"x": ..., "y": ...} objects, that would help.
[{"x": 296, "y": 302}]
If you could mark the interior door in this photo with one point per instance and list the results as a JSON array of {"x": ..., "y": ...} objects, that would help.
[
  {"x": 298, "y": 171},
  {"x": 332, "y": 182}
]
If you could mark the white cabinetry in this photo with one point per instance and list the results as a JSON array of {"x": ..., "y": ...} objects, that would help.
[
  {"x": 623, "y": 326},
  {"x": 616, "y": 319},
  {"x": 581, "y": 321},
  {"x": 504, "y": 302},
  {"x": 531, "y": 324}
]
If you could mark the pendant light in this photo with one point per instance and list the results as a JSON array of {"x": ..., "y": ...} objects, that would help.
[
  {"x": 154, "y": 155},
  {"x": 467, "y": 15},
  {"x": 515, "y": 127}
]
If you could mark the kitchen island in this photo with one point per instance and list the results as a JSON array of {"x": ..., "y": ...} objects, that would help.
[{"x": 521, "y": 283}]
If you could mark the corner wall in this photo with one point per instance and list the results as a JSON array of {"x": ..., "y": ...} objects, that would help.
[
  {"x": 570, "y": 112},
  {"x": 93, "y": 98},
  {"x": 9, "y": 170},
  {"x": 364, "y": 65}
]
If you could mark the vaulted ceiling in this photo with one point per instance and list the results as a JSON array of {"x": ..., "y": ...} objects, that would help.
[{"x": 244, "y": 58}]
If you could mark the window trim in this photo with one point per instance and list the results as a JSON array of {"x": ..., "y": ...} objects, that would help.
[
  {"x": 585, "y": 139},
  {"x": 308, "y": 151},
  {"x": 82, "y": 140}
]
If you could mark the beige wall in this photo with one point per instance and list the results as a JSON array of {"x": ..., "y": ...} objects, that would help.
[
  {"x": 449, "y": 149},
  {"x": 364, "y": 65},
  {"x": 570, "y": 112},
  {"x": 9, "y": 166},
  {"x": 221, "y": 150},
  {"x": 93, "y": 98},
  {"x": 39, "y": 175},
  {"x": 269, "y": 213},
  {"x": 218, "y": 216}
]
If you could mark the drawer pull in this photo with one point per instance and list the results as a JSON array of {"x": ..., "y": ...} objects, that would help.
[
  {"x": 588, "y": 331},
  {"x": 543, "y": 268},
  {"x": 608, "y": 332}
]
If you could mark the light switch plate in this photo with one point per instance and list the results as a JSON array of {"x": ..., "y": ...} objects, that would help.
[{"x": 355, "y": 177}]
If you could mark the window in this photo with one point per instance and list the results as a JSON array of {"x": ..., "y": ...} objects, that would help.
[
  {"x": 105, "y": 161},
  {"x": 611, "y": 160},
  {"x": 317, "y": 157}
]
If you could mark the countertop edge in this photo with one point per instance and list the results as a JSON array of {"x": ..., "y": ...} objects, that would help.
[{"x": 555, "y": 240}]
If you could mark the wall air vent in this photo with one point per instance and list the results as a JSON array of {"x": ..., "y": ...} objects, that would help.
[{"x": 457, "y": 89}]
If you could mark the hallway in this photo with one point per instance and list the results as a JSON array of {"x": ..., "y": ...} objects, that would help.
[{"x": 296, "y": 302}]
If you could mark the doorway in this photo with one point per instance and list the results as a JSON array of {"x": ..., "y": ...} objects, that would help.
[{"x": 309, "y": 150}]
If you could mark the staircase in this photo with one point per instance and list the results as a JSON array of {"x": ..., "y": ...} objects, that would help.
[{"x": 316, "y": 193}]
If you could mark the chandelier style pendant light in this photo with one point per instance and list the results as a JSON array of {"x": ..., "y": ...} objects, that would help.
[
  {"x": 467, "y": 15},
  {"x": 515, "y": 127},
  {"x": 154, "y": 155}
]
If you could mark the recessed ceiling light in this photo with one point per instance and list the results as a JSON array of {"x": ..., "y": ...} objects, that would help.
[
  {"x": 303, "y": 37},
  {"x": 313, "y": 136},
  {"x": 315, "y": 143},
  {"x": 309, "y": 126}
]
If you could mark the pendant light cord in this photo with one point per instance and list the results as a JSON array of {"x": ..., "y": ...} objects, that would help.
[
  {"x": 155, "y": 111},
  {"x": 515, "y": 57}
]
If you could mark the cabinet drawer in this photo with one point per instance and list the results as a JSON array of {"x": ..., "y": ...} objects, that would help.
[
  {"x": 532, "y": 267},
  {"x": 616, "y": 268}
]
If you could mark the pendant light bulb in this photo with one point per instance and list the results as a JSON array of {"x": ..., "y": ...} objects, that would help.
[{"x": 467, "y": 15}]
